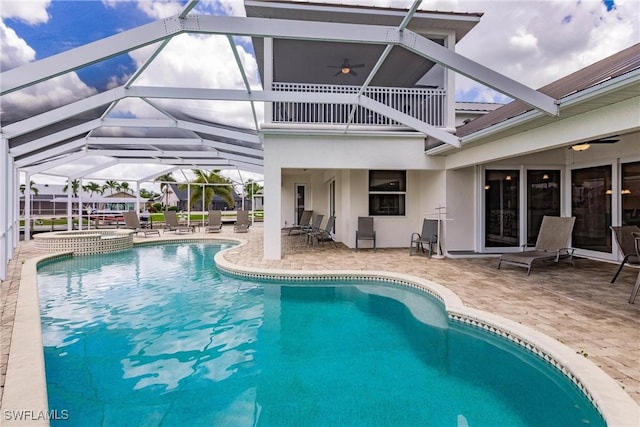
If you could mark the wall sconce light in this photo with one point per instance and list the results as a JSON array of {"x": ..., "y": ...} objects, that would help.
[
  {"x": 507, "y": 178},
  {"x": 625, "y": 191},
  {"x": 545, "y": 176},
  {"x": 581, "y": 147},
  {"x": 486, "y": 187},
  {"x": 608, "y": 192}
]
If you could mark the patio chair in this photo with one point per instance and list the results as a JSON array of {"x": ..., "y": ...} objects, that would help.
[
  {"x": 634, "y": 293},
  {"x": 242, "y": 222},
  {"x": 428, "y": 237},
  {"x": 132, "y": 222},
  {"x": 171, "y": 223},
  {"x": 303, "y": 225},
  {"x": 553, "y": 242},
  {"x": 214, "y": 224},
  {"x": 314, "y": 227},
  {"x": 626, "y": 243},
  {"x": 323, "y": 235},
  {"x": 365, "y": 231}
]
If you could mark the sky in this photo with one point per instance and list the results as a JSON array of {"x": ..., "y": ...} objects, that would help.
[{"x": 534, "y": 42}]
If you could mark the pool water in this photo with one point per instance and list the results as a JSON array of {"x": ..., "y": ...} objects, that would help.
[{"x": 156, "y": 336}]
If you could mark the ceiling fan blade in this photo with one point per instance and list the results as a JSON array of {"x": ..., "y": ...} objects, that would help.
[
  {"x": 357, "y": 66},
  {"x": 338, "y": 73},
  {"x": 353, "y": 73}
]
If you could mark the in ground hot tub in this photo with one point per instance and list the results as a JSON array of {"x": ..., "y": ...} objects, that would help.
[{"x": 84, "y": 242}]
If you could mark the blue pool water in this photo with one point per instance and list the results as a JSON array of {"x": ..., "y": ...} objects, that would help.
[{"x": 156, "y": 336}]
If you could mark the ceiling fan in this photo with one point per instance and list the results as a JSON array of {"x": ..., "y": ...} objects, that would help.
[
  {"x": 346, "y": 68},
  {"x": 585, "y": 145}
]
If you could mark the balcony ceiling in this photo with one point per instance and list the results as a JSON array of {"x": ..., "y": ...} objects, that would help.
[{"x": 300, "y": 61}]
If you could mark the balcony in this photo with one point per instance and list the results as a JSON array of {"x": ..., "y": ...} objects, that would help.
[{"x": 426, "y": 105}]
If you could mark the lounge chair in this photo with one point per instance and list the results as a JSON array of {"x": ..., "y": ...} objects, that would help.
[
  {"x": 428, "y": 237},
  {"x": 132, "y": 222},
  {"x": 303, "y": 226},
  {"x": 634, "y": 293},
  {"x": 215, "y": 222},
  {"x": 365, "y": 231},
  {"x": 323, "y": 235},
  {"x": 242, "y": 222},
  {"x": 171, "y": 223},
  {"x": 553, "y": 242},
  {"x": 626, "y": 243}
]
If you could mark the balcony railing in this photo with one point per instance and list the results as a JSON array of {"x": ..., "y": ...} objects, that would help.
[{"x": 427, "y": 105}]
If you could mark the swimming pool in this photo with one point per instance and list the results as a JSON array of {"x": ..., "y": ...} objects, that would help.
[{"x": 157, "y": 336}]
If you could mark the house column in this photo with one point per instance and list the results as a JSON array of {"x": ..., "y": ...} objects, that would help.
[
  {"x": 272, "y": 244},
  {"x": 27, "y": 206},
  {"x": 4, "y": 205},
  {"x": 450, "y": 86}
]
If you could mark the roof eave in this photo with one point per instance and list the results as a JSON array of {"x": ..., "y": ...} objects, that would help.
[{"x": 563, "y": 103}]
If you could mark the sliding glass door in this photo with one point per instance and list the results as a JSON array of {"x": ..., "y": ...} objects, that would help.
[
  {"x": 591, "y": 205},
  {"x": 502, "y": 208},
  {"x": 543, "y": 198}
]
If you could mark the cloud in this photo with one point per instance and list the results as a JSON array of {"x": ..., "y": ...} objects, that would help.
[
  {"x": 215, "y": 68},
  {"x": 32, "y": 12},
  {"x": 160, "y": 10},
  {"x": 15, "y": 51},
  {"x": 538, "y": 42}
]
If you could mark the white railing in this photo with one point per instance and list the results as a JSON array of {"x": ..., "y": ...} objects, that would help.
[{"x": 427, "y": 105}]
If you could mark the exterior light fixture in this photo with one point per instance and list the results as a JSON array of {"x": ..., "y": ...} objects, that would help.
[
  {"x": 581, "y": 147},
  {"x": 507, "y": 178},
  {"x": 486, "y": 187},
  {"x": 608, "y": 192},
  {"x": 545, "y": 176},
  {"x": 625, "y": 191}
]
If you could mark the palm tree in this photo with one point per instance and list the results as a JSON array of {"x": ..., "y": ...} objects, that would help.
[
  {"x": 164, "y": 186},
  {"x": 32, "y": 188},
  {"x": 75, "y": 186},
  {"x": 212, "y": 177},
  {"x": 92, "y": 188},
  {"x": 111, "y": 185},
  {"x": 251, "y": 188},
  {"x": 124, "y": 186}
]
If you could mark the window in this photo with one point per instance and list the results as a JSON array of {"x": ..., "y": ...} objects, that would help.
[{"x": 387, "y": 192}]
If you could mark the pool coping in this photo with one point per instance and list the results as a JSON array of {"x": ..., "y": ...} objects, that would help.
[{"x": 26, "y": 357}]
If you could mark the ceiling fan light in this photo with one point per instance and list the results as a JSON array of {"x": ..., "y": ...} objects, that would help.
[
  {"x": 580, "y": 147},
  {"x": 345, "y": 70}
]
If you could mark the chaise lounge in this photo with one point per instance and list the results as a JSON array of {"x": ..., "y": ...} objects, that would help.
[
  {"x": 132, "y": 222},
  {"x": 553, "y": 242}
]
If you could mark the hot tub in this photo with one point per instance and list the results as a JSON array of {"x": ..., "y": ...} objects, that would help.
[{"x": 84, "y": 242}]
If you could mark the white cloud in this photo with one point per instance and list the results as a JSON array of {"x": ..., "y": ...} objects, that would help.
[
  {"x": 160, "y": 10},
  {"x": 32, "y": 12},
  {"x": 15, "y": 51},
  {"x": 537, "y": 42},
  {"x": 191, "y": 60}
]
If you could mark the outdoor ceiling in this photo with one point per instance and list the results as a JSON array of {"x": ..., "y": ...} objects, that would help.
[{"x": 92, "y": 132}]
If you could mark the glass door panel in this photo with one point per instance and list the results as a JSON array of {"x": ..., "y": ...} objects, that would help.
[
  {"x": 300, "y": 201},
  {"x": 543, "y": 198},
  {"x": 502, "y": 208},
  {"x": 630, "y": 193},
  {"x": 591, "y": 205}
]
